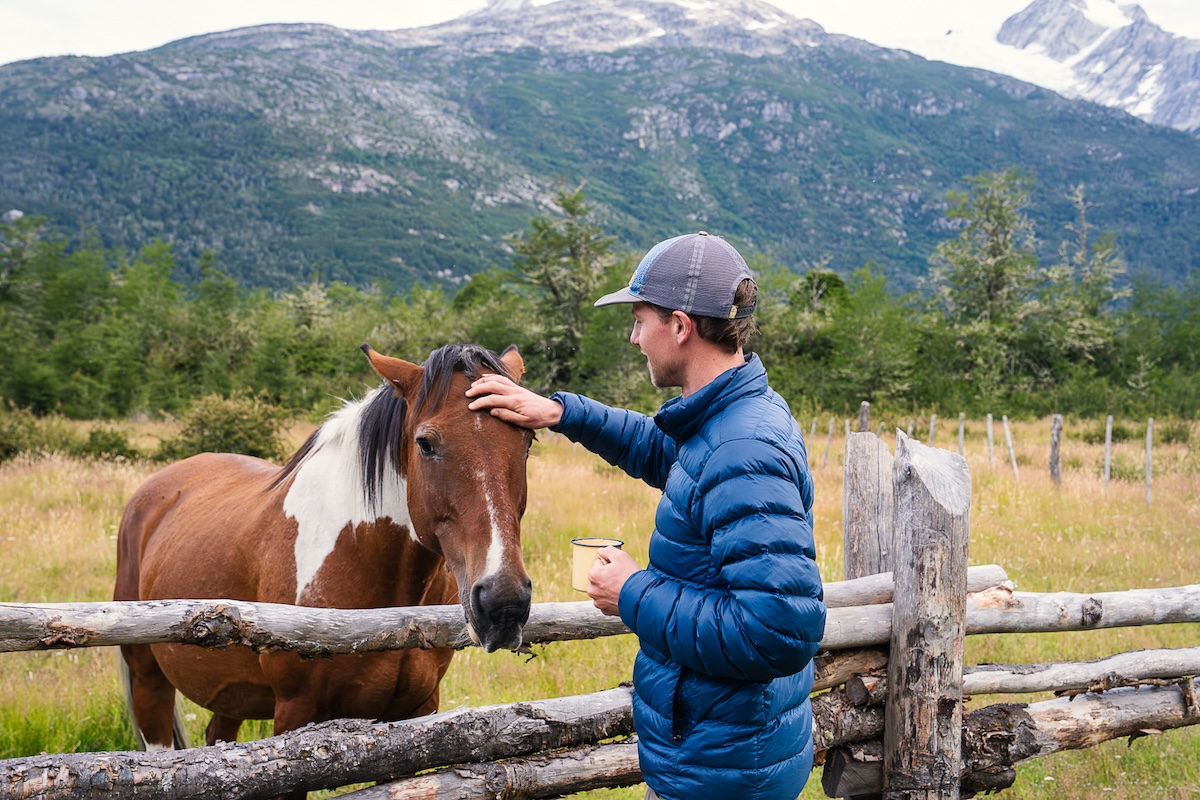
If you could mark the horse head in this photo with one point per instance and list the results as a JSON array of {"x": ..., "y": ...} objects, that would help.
[{"x": 466, "y": 483}]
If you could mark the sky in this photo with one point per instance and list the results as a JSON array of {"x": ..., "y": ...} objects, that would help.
[{"x": 35, "y": 28}]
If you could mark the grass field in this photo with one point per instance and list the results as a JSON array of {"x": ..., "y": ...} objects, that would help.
[{"x": 58, "y": 522}]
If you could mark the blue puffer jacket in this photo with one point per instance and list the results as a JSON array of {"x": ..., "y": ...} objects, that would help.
[{"x": 730, "y": 610}]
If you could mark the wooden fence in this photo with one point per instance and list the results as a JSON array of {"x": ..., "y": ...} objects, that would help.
[{"x": 915, "y": 742}]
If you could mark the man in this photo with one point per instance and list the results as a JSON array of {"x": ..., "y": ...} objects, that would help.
[{"x": 730, "y": 610}]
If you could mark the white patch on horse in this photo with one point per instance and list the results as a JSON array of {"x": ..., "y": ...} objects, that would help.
[
  {"x": 327, "y": 493},
  {"x": 495, "y": 554},
  {"x": 151, "y": 747}
]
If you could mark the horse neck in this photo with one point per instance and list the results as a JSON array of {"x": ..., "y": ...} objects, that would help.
[{"x": 328, "y": 499}]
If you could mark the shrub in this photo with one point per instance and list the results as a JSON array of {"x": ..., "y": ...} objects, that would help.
[
  {"x": 1095, "y": 435},
  {"x": 1176, "y": 431},
  {"x": 1122, "y": 469},
  {"x": 108, "y": 444},
  {"x": 244, "y": 423},
  {"x": 18, "y": 432},
  {"x": 22, "y": 432}
]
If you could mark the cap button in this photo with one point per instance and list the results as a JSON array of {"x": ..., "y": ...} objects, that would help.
[{"x": 702, "y": 233}]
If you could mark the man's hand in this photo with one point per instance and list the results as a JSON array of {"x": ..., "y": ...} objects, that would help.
[
  {"x": 513, "y": 403},
  {"x": 612, "y": 568}
]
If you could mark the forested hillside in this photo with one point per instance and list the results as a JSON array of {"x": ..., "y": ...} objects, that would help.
[{"x": 91, "y": 332}]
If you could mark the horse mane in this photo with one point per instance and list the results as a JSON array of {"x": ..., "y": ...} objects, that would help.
[{"x": 382, "y": 415}]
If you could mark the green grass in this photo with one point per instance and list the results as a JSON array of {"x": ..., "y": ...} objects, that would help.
[{"x": 60, "y": 515}]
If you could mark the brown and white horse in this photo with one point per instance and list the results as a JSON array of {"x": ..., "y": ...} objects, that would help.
[{"x": 405, "y": 497}]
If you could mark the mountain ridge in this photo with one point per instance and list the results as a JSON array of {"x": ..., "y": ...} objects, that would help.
[{"x": 297, "y": 149}]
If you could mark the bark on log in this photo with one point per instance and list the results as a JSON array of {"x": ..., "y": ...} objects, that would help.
[
  {"x": 837, "y": 721},
  {"x": 1000, "y": 610},
  {"x": 867, "y": 690},
  {"x": 875, "y": 589},
  {"x": 854, "y": 770},
  {"x": 334, "y": 754},
  {"x": 833, "y": 668},
  {"x": 1102, "y": 674},
  {"x": 553, "y": 775},
  {"x": 326, "y": 755},
  {"x": 268, "y": 627},
  {"x": 998, "y": 737}
]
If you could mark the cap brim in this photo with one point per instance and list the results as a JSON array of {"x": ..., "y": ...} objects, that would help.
[{"x": 620, "y": 296}]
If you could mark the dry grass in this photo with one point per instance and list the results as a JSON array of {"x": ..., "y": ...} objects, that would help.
[{"x": 58, "y": 517}]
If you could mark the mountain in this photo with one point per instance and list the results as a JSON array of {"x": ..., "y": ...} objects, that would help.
[
  {"x": 408, "y": 155},
  {"x": 1116, "y": 56}
]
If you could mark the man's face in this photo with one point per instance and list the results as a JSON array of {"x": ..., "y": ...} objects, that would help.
[{"x": 656, "y": 339}]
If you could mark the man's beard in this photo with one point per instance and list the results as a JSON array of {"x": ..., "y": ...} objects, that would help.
[{"x": 665, "y": 376}]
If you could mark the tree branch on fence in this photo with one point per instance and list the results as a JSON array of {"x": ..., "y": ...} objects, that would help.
[
  {"x": 998, "y": 737},
  {"x": 325, "y": 755},
  {"x": 268, "y": 627},
  {"x": 551, "y": 775},
  {"x": 1123, "y": 669}
]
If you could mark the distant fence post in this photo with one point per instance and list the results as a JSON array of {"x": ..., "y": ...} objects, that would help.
[
  {"x": 1012, "y": 456},
  {"x": 962, "y": 419},
  {"x": 989, "y": 438},
  {"x": 932, "y": 425},
  {"x": 1055, "y": 455},
  {"x": 828, "y": 444},
  {"x": 922, "y": 741},
  {"x": 813, "y": 435},
  {"x": 1149, "y": 461},
  {"x": 867, "y": 531},
  {"x": 864, "y": 416},
  {"x": 1107, "y": 451}
]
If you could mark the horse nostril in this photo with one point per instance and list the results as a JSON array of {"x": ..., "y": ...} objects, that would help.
[{"x": 502, "y": 602}]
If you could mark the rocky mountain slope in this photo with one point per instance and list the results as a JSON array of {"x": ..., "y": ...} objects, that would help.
[{"x": 407, "y": 156}]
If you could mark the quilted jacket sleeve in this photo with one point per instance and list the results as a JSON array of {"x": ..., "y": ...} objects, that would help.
[
  {"x": 763, "y": 615},
  {"x": 623, "y": 438}
]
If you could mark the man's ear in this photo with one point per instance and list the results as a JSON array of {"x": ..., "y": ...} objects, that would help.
[
  {"x": 512, "y": 361},
  {"x": 682, "y": 326},
  {"x": 404, "y": 377}
]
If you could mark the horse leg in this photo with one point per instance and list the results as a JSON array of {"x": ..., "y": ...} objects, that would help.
[
  {"x": 152, "y": 698},
  {"x": 221, "y": 729}
]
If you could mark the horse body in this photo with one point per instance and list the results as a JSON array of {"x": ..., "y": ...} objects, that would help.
[{"x": 403, "y": 498}]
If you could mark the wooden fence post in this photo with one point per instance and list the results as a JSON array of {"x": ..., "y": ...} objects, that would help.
[
  {"x": 1012, "y": 456},
  {"x": 864, "y": 416},
  {"x": 1149, "y": 461},
  {"x": 989, "y": 438},
  {"x": 867, "y": 531},
  {"x": 1055, "y": 455},
  {"x": 1107, "y": 451},
  {"x": 812, "y": 436},
  {"x": 922, "y": 750},
  {"x": 932, "y": 425},
  {"x": 962, "y": 419},
  {"x": 868, "y": 534}
]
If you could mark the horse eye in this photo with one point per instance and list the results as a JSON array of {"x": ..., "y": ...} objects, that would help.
[{"x": 425, "y": 446}]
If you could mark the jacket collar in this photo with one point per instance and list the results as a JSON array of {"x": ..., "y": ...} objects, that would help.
[{"x": 681, "y": 417}]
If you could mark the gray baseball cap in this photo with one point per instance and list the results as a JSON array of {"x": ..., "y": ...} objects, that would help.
[{"x": 696, "y": 273}]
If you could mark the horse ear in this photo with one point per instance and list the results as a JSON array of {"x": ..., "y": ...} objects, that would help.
[
  {"x": 512, "y": 361},
  {"x": 403, "y": 376}
]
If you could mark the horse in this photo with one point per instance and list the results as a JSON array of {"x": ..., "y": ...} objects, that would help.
[{"x": 404, "y": 497}]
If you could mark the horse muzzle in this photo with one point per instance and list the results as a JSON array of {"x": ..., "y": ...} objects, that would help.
[{"x": 498, "y": 610}]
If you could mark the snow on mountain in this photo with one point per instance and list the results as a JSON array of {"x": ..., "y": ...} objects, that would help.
[{"x": 1144, "y": 59}]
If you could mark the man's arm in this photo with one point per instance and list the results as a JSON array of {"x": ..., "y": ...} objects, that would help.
[{"x": 767, "y": 618}]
